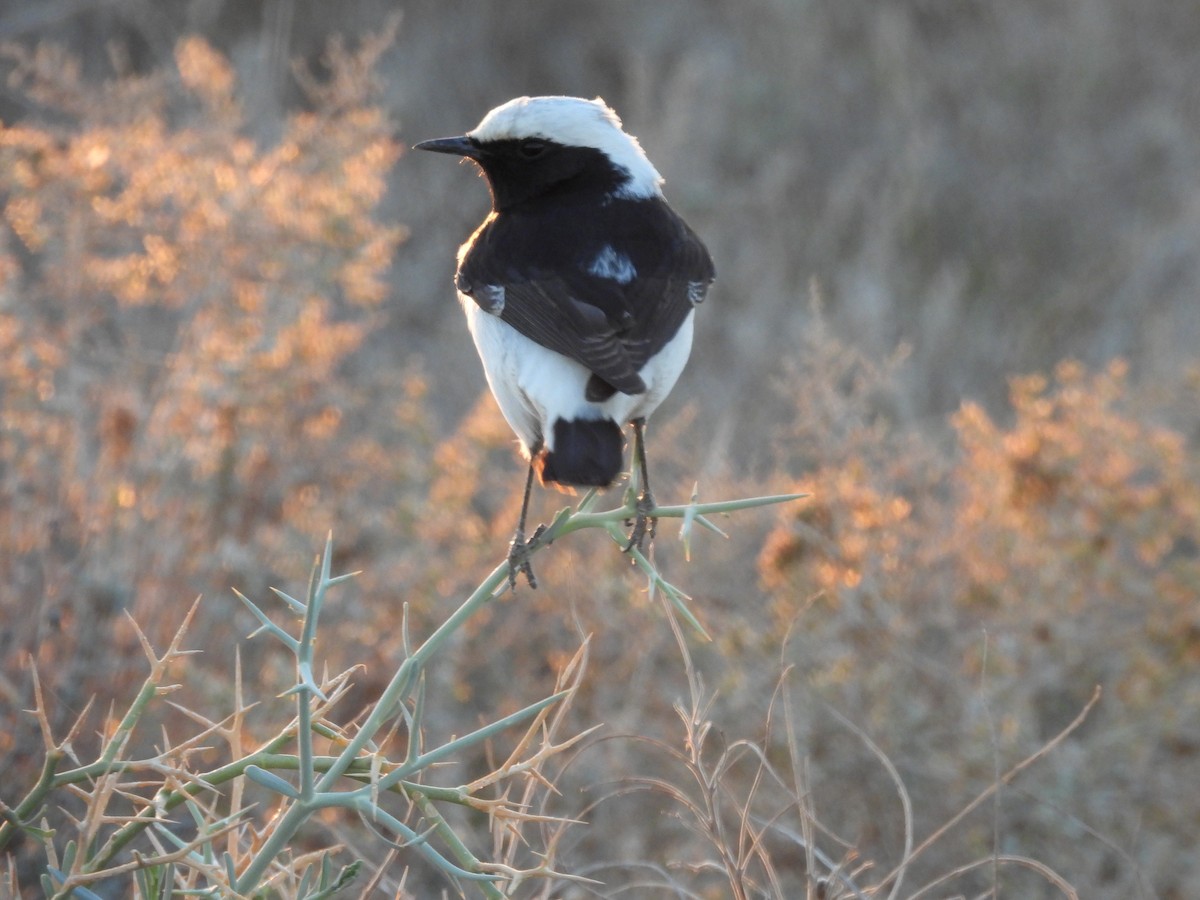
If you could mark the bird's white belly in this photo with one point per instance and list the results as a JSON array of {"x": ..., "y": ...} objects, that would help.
[{"x": 535, "y": 386}]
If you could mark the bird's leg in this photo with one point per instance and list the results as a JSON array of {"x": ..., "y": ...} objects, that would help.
[
  {"x": 645, "y": 524},
  {"x": 518, "y": 550}
]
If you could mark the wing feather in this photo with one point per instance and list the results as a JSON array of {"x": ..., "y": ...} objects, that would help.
[{"x": 611, "y": 327}]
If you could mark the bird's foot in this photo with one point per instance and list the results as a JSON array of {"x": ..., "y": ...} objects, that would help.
[
  {"x": 518, "y": 557},
  {"x": 645, "y": 525}
]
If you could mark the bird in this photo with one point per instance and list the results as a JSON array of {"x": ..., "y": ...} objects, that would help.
[{"x": 579, "y": 288}]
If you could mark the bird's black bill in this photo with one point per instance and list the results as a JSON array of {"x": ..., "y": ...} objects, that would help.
[{"x": 458, "y": 146}]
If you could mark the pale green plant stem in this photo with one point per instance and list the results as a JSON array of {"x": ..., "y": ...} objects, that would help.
[{"x": 318, "y": 775}]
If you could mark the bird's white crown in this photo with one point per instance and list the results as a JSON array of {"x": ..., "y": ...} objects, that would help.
[{"x": 574, "y": 122}]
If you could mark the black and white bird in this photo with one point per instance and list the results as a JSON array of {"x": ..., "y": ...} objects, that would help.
[{"x": 579, "y": 289}]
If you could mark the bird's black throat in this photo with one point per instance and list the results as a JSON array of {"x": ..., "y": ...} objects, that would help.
[{"x": 556, "y": 176}]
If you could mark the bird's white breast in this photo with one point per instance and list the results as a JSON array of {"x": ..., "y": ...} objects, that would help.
[{"x": 534, "y": 386}]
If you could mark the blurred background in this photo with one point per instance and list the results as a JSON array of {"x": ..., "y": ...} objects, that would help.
[{"x": 956, "y": 302}]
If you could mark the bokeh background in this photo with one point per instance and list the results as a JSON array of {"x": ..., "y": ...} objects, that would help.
[{"x": 957, "y": 303}]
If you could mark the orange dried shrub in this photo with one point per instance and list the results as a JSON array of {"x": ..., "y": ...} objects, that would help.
[
  {"x": 849, "y": 530},
  {"x": 1083, "y": 500},
  {"x": 1026, "y": 562},
  {"x": 178, "y": 304},
  {"x": 867, "y": 531}
]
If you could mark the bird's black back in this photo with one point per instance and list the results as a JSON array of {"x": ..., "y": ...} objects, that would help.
[{"x": 542, "y": 253}]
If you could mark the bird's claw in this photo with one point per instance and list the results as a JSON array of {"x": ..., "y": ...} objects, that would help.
[
  {"x": 518, "y": 557},
  {"x": 645, "y": 525}
]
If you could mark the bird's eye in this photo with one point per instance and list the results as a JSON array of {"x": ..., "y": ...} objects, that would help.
[{"x": 532, "y": 148}]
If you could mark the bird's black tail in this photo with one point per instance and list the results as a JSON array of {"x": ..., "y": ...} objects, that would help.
[{"x": 587, "y": 453}]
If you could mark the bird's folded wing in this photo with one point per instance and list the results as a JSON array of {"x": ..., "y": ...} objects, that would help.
[
  {"x": 547, "y": 310},
  {"x": 610, "y": 327}
]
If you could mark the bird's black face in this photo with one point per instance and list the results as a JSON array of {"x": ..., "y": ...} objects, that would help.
[{"x": 530, "y": 170}]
